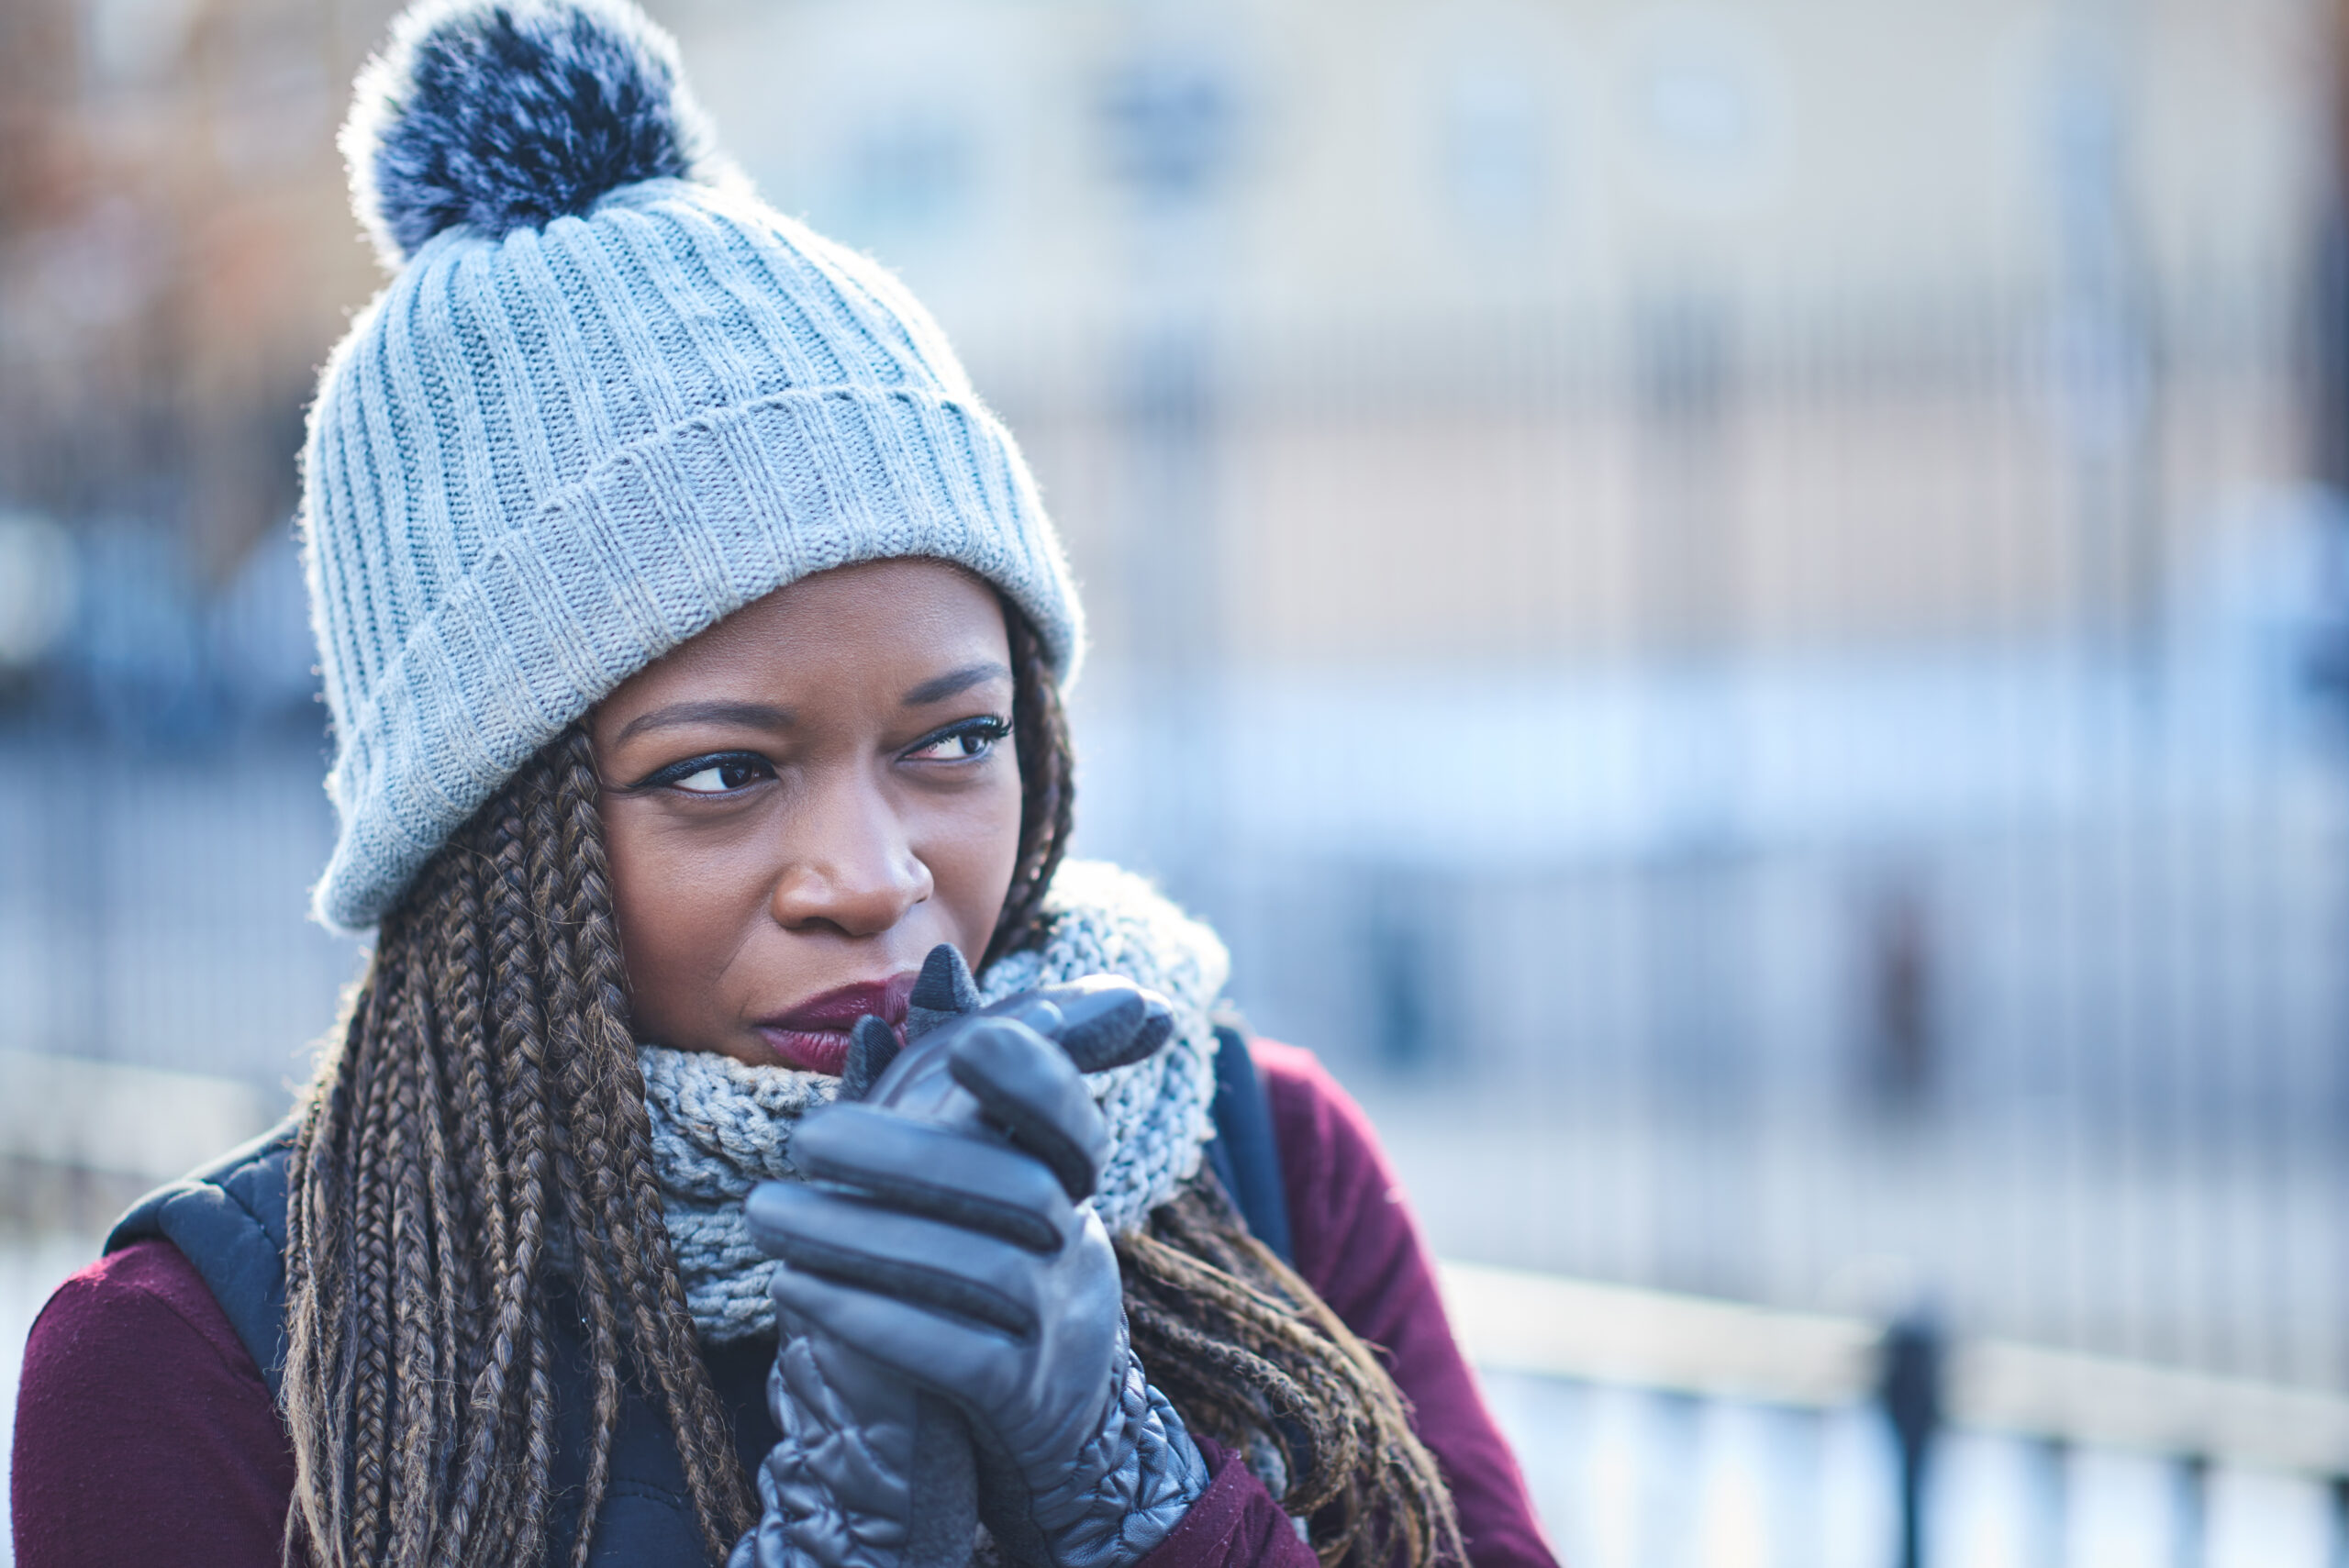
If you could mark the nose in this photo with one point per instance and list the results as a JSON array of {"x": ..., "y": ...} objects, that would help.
[{"x": 852, "y": 866}]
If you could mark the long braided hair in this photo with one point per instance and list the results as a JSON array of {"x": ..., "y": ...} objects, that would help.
[{"x": 477, "y": 1140}]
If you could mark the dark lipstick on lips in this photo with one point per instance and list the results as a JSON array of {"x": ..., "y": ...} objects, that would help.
[{"x": 813, "y": 1036}]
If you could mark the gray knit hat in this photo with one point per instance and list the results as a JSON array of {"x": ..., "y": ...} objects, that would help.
[{"x": 608, "y": 398}]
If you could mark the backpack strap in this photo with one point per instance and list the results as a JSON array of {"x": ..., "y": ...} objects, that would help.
[
  {"x": 229, "y": 1218},
  {"x": 1244, "y": 1153}
]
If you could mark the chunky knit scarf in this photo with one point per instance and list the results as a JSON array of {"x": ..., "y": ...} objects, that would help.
[{"x": 719, "y": 1127}]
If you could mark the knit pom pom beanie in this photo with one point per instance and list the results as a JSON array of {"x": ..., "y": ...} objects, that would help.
[{"x": 608, "y": 398}]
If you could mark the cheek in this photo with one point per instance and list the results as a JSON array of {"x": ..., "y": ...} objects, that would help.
[
  {"x": 972, "y": 852},
  {"x": 674, "y": 914}
]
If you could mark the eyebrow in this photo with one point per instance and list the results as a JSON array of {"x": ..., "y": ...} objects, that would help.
[
  {"x": 955, "y": 682},
  {"x": 753, "y": 715}
]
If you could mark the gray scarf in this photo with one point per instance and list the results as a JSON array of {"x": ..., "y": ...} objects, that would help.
[{"x": 720, "y": 1127}]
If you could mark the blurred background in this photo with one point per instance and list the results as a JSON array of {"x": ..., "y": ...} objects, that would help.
[{"x": 1738, "y": 609}]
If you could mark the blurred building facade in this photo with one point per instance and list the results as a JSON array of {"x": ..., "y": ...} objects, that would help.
[
  {"x": 174, "y": 257},
  {"x": 1528, "y": 278}
]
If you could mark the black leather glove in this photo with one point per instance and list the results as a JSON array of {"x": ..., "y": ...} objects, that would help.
[
  {"x": 871, "y": 1471},
  {"x": 944, "y": 1236}
]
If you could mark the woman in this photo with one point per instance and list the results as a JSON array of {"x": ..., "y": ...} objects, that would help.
[{"x": 694, "y": 640}]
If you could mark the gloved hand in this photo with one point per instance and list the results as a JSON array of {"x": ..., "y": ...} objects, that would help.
[
  {"x": 871, "y": 1470},
  {"x": 944, "y": 1236}
]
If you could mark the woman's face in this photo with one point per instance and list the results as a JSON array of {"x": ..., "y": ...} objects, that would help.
[{"x": 804, "y": 800}]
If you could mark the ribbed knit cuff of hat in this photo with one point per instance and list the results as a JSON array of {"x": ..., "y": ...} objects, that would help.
[{"x": 659, "y": 542}]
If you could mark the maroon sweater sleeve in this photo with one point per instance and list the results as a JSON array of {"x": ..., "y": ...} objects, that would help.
[
  {"x": 144, "y": 1432},
  {"x": 1235, "y": 1524},
  {"x": 1357, "y": 1244}
]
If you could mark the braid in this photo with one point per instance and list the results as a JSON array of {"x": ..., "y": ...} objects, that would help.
[
  {"x": 1247, "y": 1353},
  {"x": 519, "y": 1530},
  {"x": 1048, "y": 786},
  {"x": 458, "y": 986},
  {"x": 372, "y": 1373},
  {"x": 628, "y": 1180},
  {"x": 583, "y": 1158},
  {"x": 411, "y": 1398},
  {"x": 319, "y": 1227},
  {"x": 447, "y": 1319},
  {"x": 476, "y": 1138}
]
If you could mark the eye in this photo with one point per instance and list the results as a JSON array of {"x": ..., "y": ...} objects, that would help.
[
  {"x": 715, "y": 775},
  {"x": 962, "y": 742}
]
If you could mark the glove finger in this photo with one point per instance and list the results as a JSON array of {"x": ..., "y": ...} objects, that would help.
[
  {"x": 1108, "y": 1034},
  {"x": 918, "y": 1167},
  {"x": 872, "y": 1046},
  {"x": 917, "y": 1083},
  {"x": 1031, "y": 1008},
  {"x": 943, "y": 990},
  {"x": 948, "y": 1271},
  {"x": 1103, "y": 1021},
  {"x": 947, "y": 1356},
  {"x": 1033, "y": 1092}
]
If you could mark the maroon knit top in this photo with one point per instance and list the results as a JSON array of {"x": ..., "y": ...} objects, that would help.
[{"x": 144, "y": 1432}]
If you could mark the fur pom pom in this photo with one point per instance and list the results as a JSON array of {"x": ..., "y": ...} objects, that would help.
[{"x": 507, "y": 113}]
